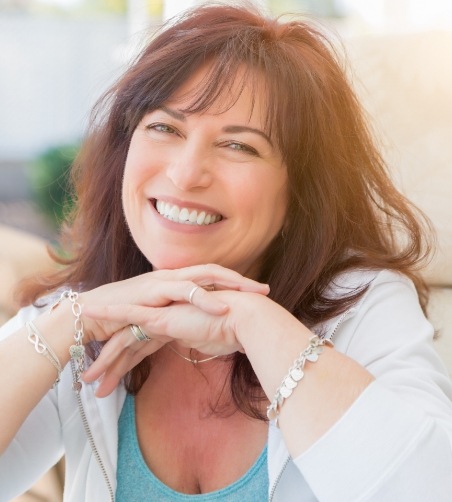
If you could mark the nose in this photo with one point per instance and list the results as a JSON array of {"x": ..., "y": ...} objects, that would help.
[{"x": 191, "y": 167}]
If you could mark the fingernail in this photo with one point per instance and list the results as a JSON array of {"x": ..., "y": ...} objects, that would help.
[{"x": 222, "y": 308}]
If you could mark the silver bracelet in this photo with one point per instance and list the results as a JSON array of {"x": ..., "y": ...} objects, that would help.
[
  {"x": 295, "y": 374},
  {"x": 42, "y": 347},
  {"x": 77, "y": 350}
]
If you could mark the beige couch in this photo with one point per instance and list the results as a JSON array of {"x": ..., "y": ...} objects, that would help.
[
  {"x": 21, "y": 255},
  {"x": 405, "y": 82}
]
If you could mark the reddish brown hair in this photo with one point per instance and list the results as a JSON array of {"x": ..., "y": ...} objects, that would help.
[{"x": 344, "y": 212}]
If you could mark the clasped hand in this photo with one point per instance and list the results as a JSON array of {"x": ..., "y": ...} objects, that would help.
[{"x": 159, "y": 303}]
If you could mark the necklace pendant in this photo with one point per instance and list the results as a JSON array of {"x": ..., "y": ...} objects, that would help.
[{"x": 195, "y": 362}]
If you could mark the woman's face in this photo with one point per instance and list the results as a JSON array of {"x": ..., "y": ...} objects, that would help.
[{"x": 206, "y": 187}]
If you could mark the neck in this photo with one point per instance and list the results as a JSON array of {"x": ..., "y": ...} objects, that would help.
[
  {"x": 193, "y": 356},
  {"x": 203, "y": 388}
]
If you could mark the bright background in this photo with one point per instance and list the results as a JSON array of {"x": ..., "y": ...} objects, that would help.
[{"x": 58, "y": 56}]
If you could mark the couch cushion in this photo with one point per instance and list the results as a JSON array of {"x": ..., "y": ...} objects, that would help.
[
  {"x": 440, "y": 311},
  {"x": 21, "y": 255},
  {"x": 405, "y": 82}
]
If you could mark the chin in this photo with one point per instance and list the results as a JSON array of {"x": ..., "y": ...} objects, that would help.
[{"x": 173, "y": 262}]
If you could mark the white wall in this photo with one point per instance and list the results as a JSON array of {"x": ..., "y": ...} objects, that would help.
[
  {"x": 51, "y": 72},
  {"x": 396, "y": 16}
]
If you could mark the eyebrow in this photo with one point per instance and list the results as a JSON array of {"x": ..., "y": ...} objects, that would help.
[
  {"x": 237, "y": 128},
  {"x": 229, "y": 129},
  {"x": 174, "y": 113}
]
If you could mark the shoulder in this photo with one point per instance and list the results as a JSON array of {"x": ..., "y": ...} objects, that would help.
[
  {"x": 28, "y": 313},
  {"x": 390, "y": 303},
  {"x": 386, "y": 324},
  {"x": 25, "y": 314},
  {"x": 357, "y": 279}
]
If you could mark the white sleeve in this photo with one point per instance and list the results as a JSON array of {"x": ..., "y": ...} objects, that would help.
[
  {"x": 38, "y": 443},
  {"x": 395, "y": 443}
]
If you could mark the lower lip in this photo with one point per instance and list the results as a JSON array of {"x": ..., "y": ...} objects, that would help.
[{"x": 183, "y": 227}]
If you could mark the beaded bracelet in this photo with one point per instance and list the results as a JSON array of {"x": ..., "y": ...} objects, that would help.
[
  {"x": 77, "y": 350},
  {"x": 42, "y": 347},
  {"x": 295, "y": 374}
]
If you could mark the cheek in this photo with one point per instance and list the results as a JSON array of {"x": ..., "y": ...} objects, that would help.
[
  {"x": 136, "y": 166},
  {"x": 127, "y": 188},
  {"x": 141, "y": 166},
  {"x": 271, "y": 196},
  {"x": 277, "y": 208},
  {"x": 133, "y": 177}
]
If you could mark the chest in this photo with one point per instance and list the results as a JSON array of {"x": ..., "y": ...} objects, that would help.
[{"x": 192, "y": 449}]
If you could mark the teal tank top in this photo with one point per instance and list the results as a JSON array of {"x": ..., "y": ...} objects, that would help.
[{"x": 137, "y": 483}]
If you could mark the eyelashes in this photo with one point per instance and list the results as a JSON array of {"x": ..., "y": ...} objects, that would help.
[
  {"x": 162, "y": 128},
  {"x": 241, "y": 147}
]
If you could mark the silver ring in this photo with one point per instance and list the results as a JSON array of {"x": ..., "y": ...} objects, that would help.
[
  {"x": 139, "y": 334},
  {"x": 192, "y": 292}
]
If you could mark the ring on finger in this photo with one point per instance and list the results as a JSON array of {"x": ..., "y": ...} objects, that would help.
[
  {"x": 192, "y": 292},
  {"x": 208, "y": 287},
  {"x": 139, "y": 334}
]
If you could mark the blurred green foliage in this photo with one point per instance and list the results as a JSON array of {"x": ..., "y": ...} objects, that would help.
[
  {"x": 73, "y": 8},
  {"x": 105, "y": 6},
  {"x": 50, "y": 181}
]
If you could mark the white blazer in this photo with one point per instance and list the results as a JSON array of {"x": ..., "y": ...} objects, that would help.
[{"x": 393, "y": 445}]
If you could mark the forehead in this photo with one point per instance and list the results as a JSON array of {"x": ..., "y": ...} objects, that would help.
[{"x": 244, "y": 92}]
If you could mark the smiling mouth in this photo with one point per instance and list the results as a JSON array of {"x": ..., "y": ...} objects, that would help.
[{"x": 188, "y": 216}]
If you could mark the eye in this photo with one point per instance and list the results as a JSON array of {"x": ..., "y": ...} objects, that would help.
[
  {"x": 241, "y": 147},
  {"x": 163, "y": 128}
]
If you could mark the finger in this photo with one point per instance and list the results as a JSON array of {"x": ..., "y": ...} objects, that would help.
[
  {"x": 161, "y": 322},
  {"x": 114, "y": 373},
  {"x": 201, "y": 298},
  {"x": 188, "y": 325},
  {"x": 221, "y": 277},
  {"x": 169, "y": 292},
  {"x": 122, "y": 362},
  {"x": 160, "y": 293},
  {"x": 106, "y": 357},
  {"x": 191, "y": 292},
  {"x": 121, "y": 342}
]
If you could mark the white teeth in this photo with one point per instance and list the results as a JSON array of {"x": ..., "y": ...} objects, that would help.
[
  {"x": 174, "y": 214},
  {"x": 185, "y": 215},
  {"x": 200, "y": 218},
  {"x": 166, "y": 209},
  {"x": 193, "y": 216}
]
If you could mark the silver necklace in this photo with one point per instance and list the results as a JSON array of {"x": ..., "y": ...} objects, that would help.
[{"x": 189, "y": 359}]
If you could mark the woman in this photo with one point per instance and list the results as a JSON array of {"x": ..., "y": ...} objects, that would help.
[{"x": 233, "y": 220}]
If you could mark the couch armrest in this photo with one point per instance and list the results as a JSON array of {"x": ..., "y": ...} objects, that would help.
[{"x": 440, "y": 313}]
